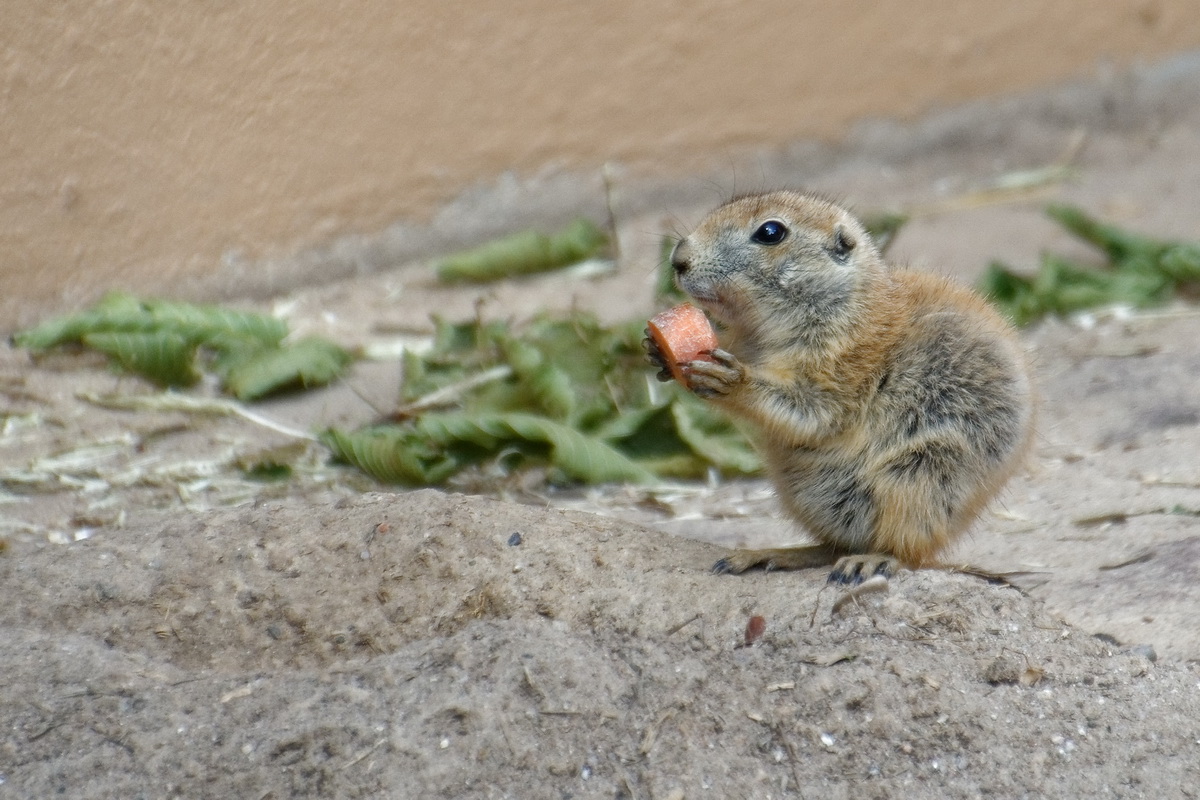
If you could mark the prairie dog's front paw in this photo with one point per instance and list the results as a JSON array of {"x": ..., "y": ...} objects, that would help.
[
  {"x": 715, "y": 378},
  {"x": 656, "y": 358}
]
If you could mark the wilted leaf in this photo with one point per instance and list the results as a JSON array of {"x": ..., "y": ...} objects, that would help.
[
  {"x": 713, "y": 438},
  {"x": 1140, "y": 272},
  {"x": 1182, "y": 262},
  {"x": 572, "y": 395},
  {"x": 582, "y": 457},
  {"x": 116, "y": 312},
  {"x": 435, "y": 446},
  {"x": 304, "y": 364},
  {"x": 390, "y": 454},
  {"x": 168, "y": 342},
  {"x": 164, "y": 357},
  {"x": 524, "y": 253},
  {"x": 1118, "y": 243},
  {"x": 205, "y": 323}
]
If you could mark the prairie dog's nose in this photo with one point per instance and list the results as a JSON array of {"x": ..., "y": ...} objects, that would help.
[{"x": 681, "y": 257}]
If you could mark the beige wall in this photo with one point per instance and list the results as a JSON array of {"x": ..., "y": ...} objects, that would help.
[{"x": 141, "y": 141}]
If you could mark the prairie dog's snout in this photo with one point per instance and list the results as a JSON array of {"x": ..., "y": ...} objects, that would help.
[{"x": 680, "y": 257}]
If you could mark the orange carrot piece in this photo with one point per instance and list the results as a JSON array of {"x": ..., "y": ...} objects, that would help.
[{"x": 682, "y": 334}]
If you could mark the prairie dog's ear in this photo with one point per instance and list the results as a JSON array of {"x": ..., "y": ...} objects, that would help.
[{"x": 843, "y": 243}]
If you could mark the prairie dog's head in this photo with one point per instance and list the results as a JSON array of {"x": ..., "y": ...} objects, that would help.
[{"x": 778, "y": 266}]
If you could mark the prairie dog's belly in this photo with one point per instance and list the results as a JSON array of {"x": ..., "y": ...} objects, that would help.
[{"x": 827, "y": 490}]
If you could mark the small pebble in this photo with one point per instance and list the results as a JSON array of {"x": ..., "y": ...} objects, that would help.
[
  {"x": 755, "y": 629},
  {"x": 1002, "y": 669},
  {"x": 1146, "y": 651},
  {"x": 515, "y": 540}
]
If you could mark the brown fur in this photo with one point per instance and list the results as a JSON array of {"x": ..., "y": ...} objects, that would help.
[{"x": 889, "y": 406}]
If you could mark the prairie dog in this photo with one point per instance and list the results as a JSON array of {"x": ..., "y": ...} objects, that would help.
[{"x": 889, "y": 406}]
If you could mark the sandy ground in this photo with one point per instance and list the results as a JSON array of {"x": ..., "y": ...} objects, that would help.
[{"x": 173, "y": 629}]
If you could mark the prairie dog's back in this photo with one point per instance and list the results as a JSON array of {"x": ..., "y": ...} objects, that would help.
[{"x": 956, "y": 401}]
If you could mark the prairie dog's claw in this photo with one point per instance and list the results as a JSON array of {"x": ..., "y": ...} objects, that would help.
[
  {"x": 735, "y": 563},
  {"x": 723, "y": 567},
  {"x": 715, "y": 378},
  {"x": 724, "y": 357},
  {"x": 655, "y": 357},
  {"x": 855, "y": 569}
]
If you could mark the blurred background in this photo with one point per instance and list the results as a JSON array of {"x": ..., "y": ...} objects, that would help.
[{"x": 203, "y": 148}]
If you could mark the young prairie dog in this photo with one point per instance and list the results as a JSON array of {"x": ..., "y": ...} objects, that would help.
[{"x": 889, "y": 406}]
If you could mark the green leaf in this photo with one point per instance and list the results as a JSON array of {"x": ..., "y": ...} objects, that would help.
[
  {"x": 164, "y": 357},
  {"x": 524, "y": 253},
  {"x": 1182, "y": 263},
  {"x": 391, "y": 454},
  {"x": 587, "y": 387},
  {"x": 628, "y": 424},
  {"x": 1140, "y": 272},
  {"x": 551, "y": 387},
  {"x": 465, "y": 337},
  {"x": 436, "y": 446},
  {"x": 116, "y": 312},
  {"x": 655, "y": 441},
  {"x": 1013, "y": 293},
  {"x": 123, "y": 313},
  {"x": 1062, "y": 287},
  {"x": 523, "y": 356},
  {"x": 683, "y": 438},
  {"x": 711, "y": 437},
  {"x": 204, "y": 323},
  {"x": 159, "y": 339},
  {"x": 1118, "y": 243},
  {"x": 541, "y": 385},
  {"x": 580, "y": 456},
  {"x": 304, "y": 364}
]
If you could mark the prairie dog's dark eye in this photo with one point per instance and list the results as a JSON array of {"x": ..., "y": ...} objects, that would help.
[{"x": 770, "y": 232}]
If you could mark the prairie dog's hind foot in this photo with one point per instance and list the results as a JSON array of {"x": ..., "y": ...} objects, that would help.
[
  {"x": 803, "y": 557},
  {"x": 847, "y": 569},
  {"x": 857, "y": 568}
]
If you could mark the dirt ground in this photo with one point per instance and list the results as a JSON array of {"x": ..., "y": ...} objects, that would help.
[{"x": 173, "y": 629}]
